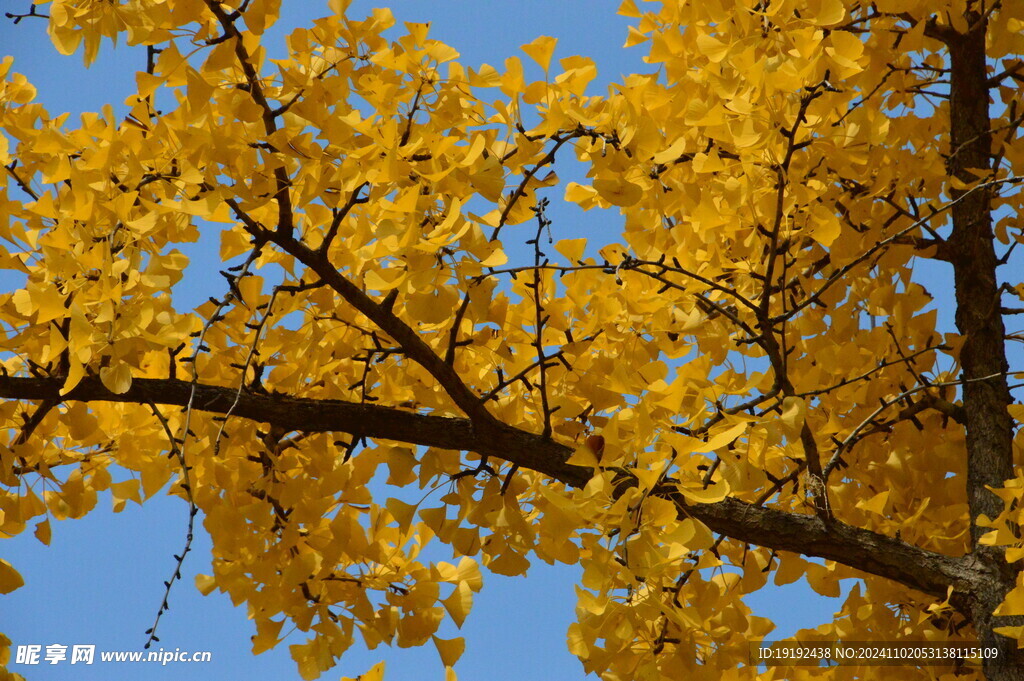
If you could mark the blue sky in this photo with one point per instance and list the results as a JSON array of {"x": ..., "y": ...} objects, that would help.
[{"x": 100, "y": 582}]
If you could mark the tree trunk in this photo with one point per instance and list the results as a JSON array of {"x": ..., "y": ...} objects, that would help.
[{"x": 979, "y": 320}]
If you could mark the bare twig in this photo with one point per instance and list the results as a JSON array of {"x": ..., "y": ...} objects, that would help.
[
  {"x": 852, "y": 437},
  {"x": 845, "y": 269},
  {"x": 193, "y": 510}
]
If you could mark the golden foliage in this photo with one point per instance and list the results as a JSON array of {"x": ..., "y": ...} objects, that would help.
[{"x": 777, "y": 177}]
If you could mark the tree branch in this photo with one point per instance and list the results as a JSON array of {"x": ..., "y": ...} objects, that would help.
[
  {"x": 868, "y": 551},
  {"x": 927, "y": 571},
  {"x": 412, "y": 344},
  {"x": 319, "y": 416}
]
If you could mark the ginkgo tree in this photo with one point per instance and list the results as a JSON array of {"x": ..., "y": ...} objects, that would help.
[{"x": 747, "y": 385}]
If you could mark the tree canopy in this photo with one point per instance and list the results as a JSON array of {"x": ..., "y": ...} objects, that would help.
[{"x": 748, "y": 384}]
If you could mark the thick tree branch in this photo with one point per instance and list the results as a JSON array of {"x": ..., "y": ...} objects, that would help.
[
  {"x": 986, "y": 396},
  {"x": 319, "y": 415},
  {"x": 978, "y": 314},
  {"x": 381, "y": 315},
  {"x": 926, "y": 571},
  {"x": 286, "y": 216}
]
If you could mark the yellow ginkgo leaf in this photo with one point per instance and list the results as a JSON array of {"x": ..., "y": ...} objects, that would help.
[
  {"x": 698, "y": 494},
  {"x": 9, "y": 578},
  {"x": 722, "y": 438},
  {"x": 875, "y": 504},
  {"x": 374, "y": 673},
  {"x": 76, "y": 371},
  {"x": 794, "y": 410},
  {"x": 459, "y": 603},
  {"x": 206, "y": 584},
  {"x": 117, "y": 379},
  {"x": 541, "y": 49},
  {"x": 830, "y": 13},
  {"x": 469, "y": 572},
  {"x": 267, "y": 632},
  {"x": 42, "y": 531},
  {"x": 450, "y": 650},
  {"x": 619, "y": 192},
  {"x": 571, "y": 249},
  {"x": 509, "y": 563},
  {"x": 589, "y": 453}
]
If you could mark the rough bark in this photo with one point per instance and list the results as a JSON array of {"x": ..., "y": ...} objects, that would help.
[
  {"x": 986, "y": 396},
  {"x": 926, "y": 571}
]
